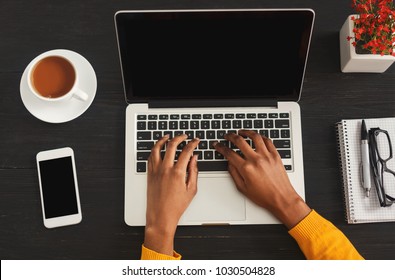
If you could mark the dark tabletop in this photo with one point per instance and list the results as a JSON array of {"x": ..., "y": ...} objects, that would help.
[{"x": 28, "y": 28}]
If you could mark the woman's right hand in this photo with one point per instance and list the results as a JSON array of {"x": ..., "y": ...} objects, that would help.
[{"x": 260, "y": 175}]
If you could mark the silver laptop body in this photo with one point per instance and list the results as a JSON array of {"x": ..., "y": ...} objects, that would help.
[{"x": 206, "y": 73}]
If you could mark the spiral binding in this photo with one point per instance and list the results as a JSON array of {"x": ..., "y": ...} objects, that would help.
[{"x": 344, "y": 162}]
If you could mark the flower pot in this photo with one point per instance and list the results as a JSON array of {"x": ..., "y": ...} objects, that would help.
[{"x": 350, "y": 61}]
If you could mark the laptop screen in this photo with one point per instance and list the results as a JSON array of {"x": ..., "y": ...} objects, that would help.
[{"x": 213, "y": 54}]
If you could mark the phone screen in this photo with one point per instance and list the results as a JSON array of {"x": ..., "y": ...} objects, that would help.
[{"x": 58, "y": 187}]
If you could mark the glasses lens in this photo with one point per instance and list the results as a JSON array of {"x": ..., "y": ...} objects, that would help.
[
  {"x": 389, "y": 183},
  {"x": 383, "y": 145}
]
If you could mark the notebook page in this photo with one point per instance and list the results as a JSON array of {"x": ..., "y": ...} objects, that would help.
[{"x": 366, "y": 209}]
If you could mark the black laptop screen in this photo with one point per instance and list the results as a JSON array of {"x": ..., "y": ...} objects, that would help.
[{"x": 213, "y": 54}]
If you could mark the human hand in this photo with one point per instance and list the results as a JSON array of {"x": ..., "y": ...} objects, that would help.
[
  {"x": 261, "y": 177},
  {"x": 170, "y": 189}
]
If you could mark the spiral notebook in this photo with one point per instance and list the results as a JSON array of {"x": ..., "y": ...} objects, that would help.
[{"x": 359, "y": 208}]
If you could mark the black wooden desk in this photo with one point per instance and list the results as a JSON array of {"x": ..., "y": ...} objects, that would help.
[{"x": 28, "y": 28}]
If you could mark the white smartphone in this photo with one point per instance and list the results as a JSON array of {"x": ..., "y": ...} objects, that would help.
[{"x": 57, "y": 177}]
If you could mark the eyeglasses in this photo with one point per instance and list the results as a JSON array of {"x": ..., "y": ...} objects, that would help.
[{"x": 380, "y": 149}]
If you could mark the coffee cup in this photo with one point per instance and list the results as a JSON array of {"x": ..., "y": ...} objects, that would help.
[{"x": 54, "y": 78}]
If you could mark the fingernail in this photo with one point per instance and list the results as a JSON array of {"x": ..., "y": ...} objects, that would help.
[{"x": 214, "y": 144}]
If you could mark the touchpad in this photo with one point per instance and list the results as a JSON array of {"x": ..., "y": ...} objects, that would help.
[{"x": 217, "y": 201}]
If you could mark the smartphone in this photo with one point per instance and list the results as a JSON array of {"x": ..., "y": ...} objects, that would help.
[{"x": 57, "y": 177}]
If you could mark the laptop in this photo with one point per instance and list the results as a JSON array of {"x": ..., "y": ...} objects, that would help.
[{"x": 206, "y": 73}]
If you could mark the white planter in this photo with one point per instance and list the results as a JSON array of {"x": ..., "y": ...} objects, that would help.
[{"x": 350, "y": 61}]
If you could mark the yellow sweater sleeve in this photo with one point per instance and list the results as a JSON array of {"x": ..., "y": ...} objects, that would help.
[
  {"x": 317, "y": 238},
  {"x": 148, "y": 254},
  {"x": 320, "y": 239}
]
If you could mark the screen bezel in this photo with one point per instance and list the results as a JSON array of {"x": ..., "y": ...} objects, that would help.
[
  {"x": 295, "y": 96},
  {"x": 67, "y": 219}
]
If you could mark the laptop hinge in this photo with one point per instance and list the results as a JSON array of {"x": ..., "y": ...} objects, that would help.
[{"x": 195, "y": 103}]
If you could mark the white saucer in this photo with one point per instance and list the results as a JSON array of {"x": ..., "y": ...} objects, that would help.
[{"x": 62, "y": 111}]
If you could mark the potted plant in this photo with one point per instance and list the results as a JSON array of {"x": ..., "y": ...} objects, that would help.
[{"x": 367, "y": 38}]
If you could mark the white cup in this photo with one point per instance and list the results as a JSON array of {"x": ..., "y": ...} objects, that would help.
[{"x": 74, "y": 92}]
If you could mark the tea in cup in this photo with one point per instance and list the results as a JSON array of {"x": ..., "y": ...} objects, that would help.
[{"x": 55, "y": 78}]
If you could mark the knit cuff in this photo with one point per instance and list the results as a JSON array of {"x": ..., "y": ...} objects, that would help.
[
  {"x": 309, "y": 226},
  {"x": 148, "y": 254}
]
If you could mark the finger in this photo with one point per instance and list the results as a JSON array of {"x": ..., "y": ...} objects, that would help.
[
  {"x": 237, "y": 178},
  {"x": 187, "y": 153},
  {"x": 192, "y": 176},
  {"x": 229, "y": 154},
  {"x": 171, "y": 149},
  {"x": 269, "y": 145},
  {"x": 155, "y": 157},
  {"x": 256, "y": 138},
  {"x": 241, "y": 143}
]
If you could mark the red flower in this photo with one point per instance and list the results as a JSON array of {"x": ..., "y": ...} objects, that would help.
[{"x": 374, "y": 26}]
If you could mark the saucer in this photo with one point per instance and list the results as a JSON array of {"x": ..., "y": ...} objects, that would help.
[{"x": 62, "y": 111}]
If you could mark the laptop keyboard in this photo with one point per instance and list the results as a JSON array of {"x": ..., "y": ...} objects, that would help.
[{"x": 209, "y": 128}]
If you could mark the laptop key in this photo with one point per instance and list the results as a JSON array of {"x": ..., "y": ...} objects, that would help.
[
  {"x": 144, "y": 135},
  {"x": 258, "y": 124},
  {"x": 205, "y": 124},
  {"x": 190, "y": 134},
  {"x": 226, "y": 124},
  {"x": 203, "y": 145},
  {"x": 213, "y": 165},
  {"x": 143, "y": 155},
  {"x": 215, "y": 124},
  {"x": 170, "y": 133},
  {"x": 219, "y": 155},
  {"x": 184, "y": 125},
  {"x": 285, "y": 153},
  {"x": 210, "y": 134},
  {"x": 221, "y": 134},
  {"x": 282, "y": 123},
  {"x": 194, "y": 124},
  {"x": 200, "y": 134},
  {"x": 141, "y": 117},
  {"x": 162, "y": 125},
  {"x": 141, "y": 125},
  {"x": 269, "y": 124},
  {"x": 285, "y": 133},
  {"x": 208, "y": 155},
  {"x": 264, "y": 132},
  {"x": 173, "y": 125},
  {"x": 236, "y": 123},
  {"x": 156, "y": 135},
  {"x": 282, "y": 144},
  {"x": 247, "y": 124},
  {"x": 145, "y": 145},
  {"x": 141, "y": 167},
  {"x": 151, "y": 125},
  {"x": 178, "y": 133},
  {"x": 274, "y": 133}
]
